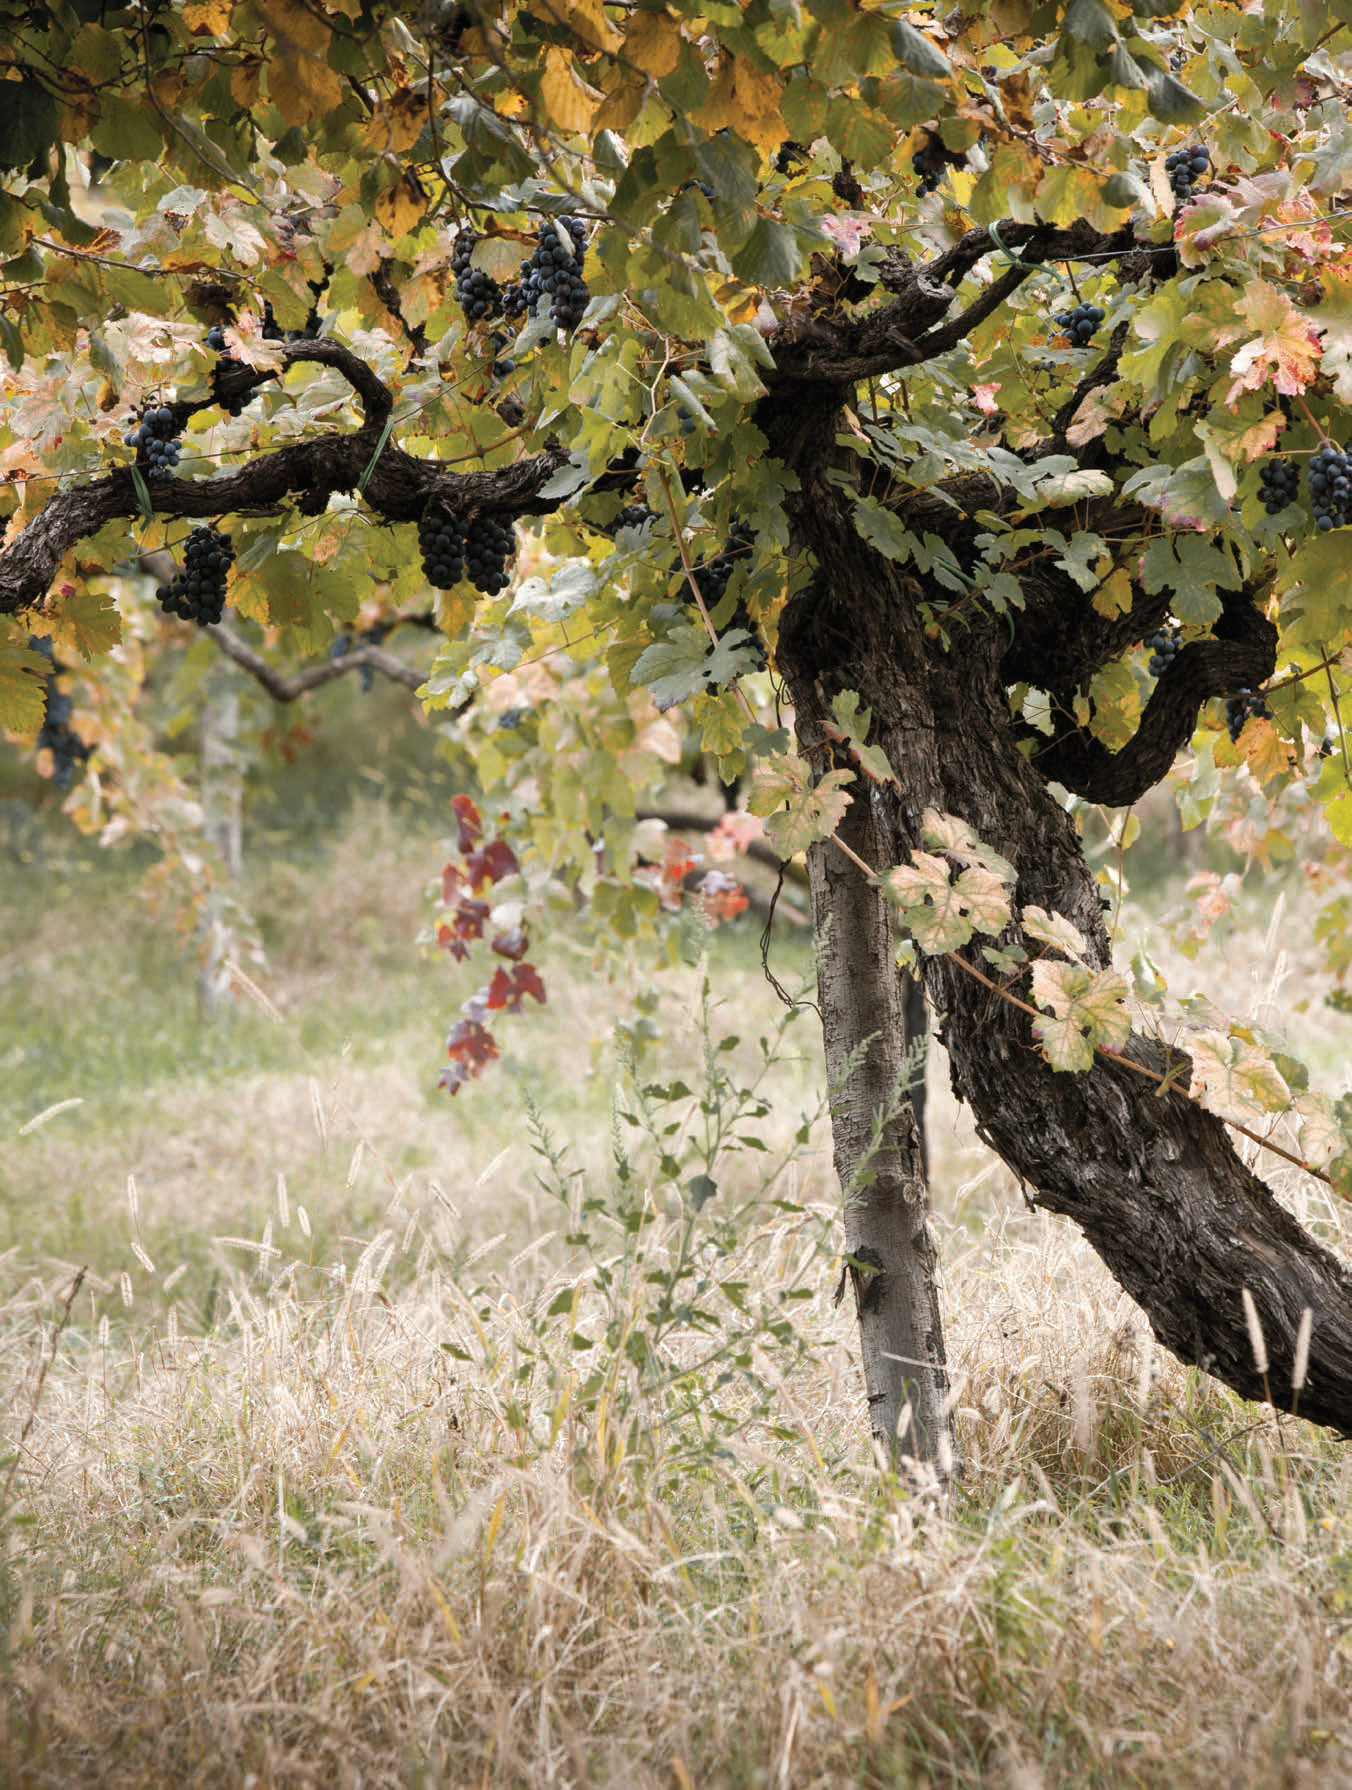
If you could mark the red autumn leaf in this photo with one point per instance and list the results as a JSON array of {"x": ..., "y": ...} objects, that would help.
[
  {"x": 509, "y": 988},
  {"x": 464, "y": 922},
  {"x": 491, "y": 864},
  {"x": 451, "y": 884},
  {"x": 469, "y": 825},
  {"x": 470, "y": 1048}
]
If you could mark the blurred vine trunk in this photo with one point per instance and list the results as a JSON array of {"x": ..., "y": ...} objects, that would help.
[{"x": 222, "y": 796}]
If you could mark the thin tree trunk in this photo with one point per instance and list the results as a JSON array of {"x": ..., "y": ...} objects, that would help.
[
  {"x": 222, "y": 793},
  {"x": 879, "y": 1154}
]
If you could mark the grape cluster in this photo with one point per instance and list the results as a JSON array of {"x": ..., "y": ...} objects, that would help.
[
  {"x": 57, "y": 735},
  {"x": 502, "y": 366},
  {"x": 633, "y": 515},
  {"x": 1238, "y": 709},
  {"x": 197, "y": 593},
  {"x": 1164, "y": 647},
  {"x": 702, "y": 186},
  {"x": 1080, "y": 323},
  {"x": 488, "y": 547},
  {"x": 554, "y": 269},
  {"x": 1278, "y": 485},
  {"x": 155, "y": 438},
  {"x": 1185, "y": 168},
  {"x": 225, "y": 363},
  {"x": 929, "y": 170},
  {"x": 477, "y": 293},
  {"x": 442, "y": 541},
  {"x": 1330, "y": 480},
  {"x": 711, "y": 580}
]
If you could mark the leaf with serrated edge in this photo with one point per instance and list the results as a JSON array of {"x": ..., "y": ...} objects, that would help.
[
  {"x": 796, "y": 811},
  {"x": 1088, "y": 1008},
  {"x": 984, "y": 897},
  {"x": 930, "y": 904},
  {"x": 853, "y": 722},
  {"x": 1053, "y": 929},
  {"x": 945, "y": 832},
  {"x": 1235, "y": 1076}
]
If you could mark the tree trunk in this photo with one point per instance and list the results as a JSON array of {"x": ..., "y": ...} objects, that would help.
[
  {"x": 222, "y": 792},
  {"x": 1151, "y": 1178},
  {"x": 879, "y": 1155}
]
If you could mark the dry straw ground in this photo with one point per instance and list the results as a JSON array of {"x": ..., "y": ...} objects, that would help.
[{"x": 349, "y": 1468}]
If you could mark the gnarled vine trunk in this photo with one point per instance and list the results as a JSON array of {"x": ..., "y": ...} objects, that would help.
[{"x": 1149, "y": 1176}]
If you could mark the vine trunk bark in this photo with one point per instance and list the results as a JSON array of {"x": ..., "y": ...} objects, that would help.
[{"x": 1151, "y": 1178}]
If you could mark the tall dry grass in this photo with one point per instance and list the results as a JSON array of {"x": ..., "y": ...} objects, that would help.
[{"x": 393, "y": 1444}]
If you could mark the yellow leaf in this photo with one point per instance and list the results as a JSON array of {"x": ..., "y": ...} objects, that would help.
[
  {"x": 23, "y": 678},
  {"x": 1267, "y": 754},
  {"x": 653, "y": 43},
  {"x": 758, "y": 99},
  {"x": 584, "y": 18},
  {"x": 401, "y": 206},
  {"x": 397, "y": 125},
  {"x": 244, "y": 81},
  {"x": 719, "y": 109},
  {"x": 295, "y": 24},
  {"x": 303, "y": 86},
  {"x": 208, "y": 18},
  {"x": 85, "y": 621},
  {"x": 569, "y": 101},
  {"x": 623, "y": 104},
  {"x": 455, "y": 611},
  {"x": 1113, "y": 596}
]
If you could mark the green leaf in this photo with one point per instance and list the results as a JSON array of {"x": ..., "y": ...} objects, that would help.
[
  {"x": 1170, "y": 100},
  {"x": 883, "y": 531},
  {"x": 947, "y": 833},
  {"x": 914, "y": 51},
  {"x": 853, "y": 723},
  {"x": 798, "y": 811},
  {"x": 769, "y": 257},
  {"x": 28, "y": 122},
  {"x": 23, "y": 688},
  {"x": 930, "y": 904},
  {"x": 1088, "y": 1010}
]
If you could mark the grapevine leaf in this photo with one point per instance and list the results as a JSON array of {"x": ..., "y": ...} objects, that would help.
[
  {"x": 23, "y": 700},
  {"x": 853, "y": 723},
  {"x": 946, "y": 833},
  {"x": 931, "y": 905},
  {"x": 798, "y": 812},
  {"x": 1235, "y": 1076},
  {"x": 1088, "y": 1010},
  {"x": 1053, "y": 929}
]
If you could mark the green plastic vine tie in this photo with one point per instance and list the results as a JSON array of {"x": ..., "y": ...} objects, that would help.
[
  {"x": 142, "y": 494},
  {"x": 385, "y": 434},
  {"x": 1029, "y": 266}
]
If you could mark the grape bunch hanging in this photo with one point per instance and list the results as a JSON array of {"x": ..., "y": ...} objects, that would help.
[
  {"x": 57, "y": 736},
  {"x": 1330, "y": 482},
  {"x": 1164, "y": 645},
  {"x": 451, "y": 550},
  {"x": 442, "y": 541},
  {"x": 477, "y": 293},
  {"x": 488, "y": 547},
  {"x": 1081, "y": 323},
  {"x": 1239, "y": 708},
  {"x": 197, "y": 593},
  {"x": 553, "y": 272},
  {"x": 633, "y": 515},
  {"x": 1278, "y": 485},
  {"x": 1186, "y": 168},
  {"x": 712, "y": 578},
  {"x": 155, "y": 438}
]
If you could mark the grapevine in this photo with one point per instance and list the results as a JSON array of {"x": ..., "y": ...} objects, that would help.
[
  {"x": 197, "y": 593},
  {"x": 155, "y": 438}
]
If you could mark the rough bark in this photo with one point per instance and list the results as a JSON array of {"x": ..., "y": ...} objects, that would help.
[{"x": 1151, "y": 1178}]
